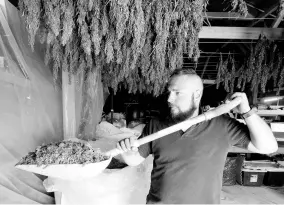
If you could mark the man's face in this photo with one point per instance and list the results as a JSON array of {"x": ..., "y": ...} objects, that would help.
[{"x": 181, "y": 98}]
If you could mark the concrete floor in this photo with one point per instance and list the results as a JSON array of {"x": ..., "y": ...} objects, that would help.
[{"x": 238, "y": 194}]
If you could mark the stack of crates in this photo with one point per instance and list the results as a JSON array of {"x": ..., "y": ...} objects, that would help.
[
  {"x": 274, "y": 176},
  {"x": 261, "y": 172}
]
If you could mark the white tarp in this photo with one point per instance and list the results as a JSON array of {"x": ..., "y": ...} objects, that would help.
[
  {"x": 30, "y": 109},
  {"x": 129, "y": 185}
]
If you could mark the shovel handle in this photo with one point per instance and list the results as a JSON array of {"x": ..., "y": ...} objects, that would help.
[{"x": 220, "y": 110}]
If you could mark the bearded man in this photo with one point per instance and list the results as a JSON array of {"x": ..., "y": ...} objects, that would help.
[{"x": 188, "y": 166}]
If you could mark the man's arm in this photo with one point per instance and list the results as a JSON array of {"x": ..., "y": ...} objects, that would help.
[{"x": 262, "y": 139}]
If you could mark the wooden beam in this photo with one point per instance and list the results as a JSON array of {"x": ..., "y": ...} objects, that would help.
[
  {"x": 278, "y": 20},
  {"x": 234, "y": 149},
  {"x": 269, "y": 11},
  {"x": 206, "y": 81},
  {"x": 275, "y": 89},
  {"x": 258, "y": 9},
  {"x": 216, "y": 32},
  {"x": 227, "y": 15}
]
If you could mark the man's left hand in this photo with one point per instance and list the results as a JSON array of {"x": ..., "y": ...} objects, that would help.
[{"x": 243, "y": 107}]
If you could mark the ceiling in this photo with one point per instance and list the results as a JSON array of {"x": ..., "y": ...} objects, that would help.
[{"x": 262, "y": 14}]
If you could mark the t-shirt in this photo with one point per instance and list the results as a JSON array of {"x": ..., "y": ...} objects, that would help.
[{"x": 188, "y": 166}]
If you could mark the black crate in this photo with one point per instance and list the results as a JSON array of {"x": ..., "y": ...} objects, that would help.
[
  {"x": 274, "y": 178},
  {"x": 252, "y": 177}
]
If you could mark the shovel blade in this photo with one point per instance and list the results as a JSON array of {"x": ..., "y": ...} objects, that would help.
[{"x": 72, "y": 172}]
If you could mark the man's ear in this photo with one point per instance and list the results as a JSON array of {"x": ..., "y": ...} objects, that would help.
[{"x": 197, "y": 95}]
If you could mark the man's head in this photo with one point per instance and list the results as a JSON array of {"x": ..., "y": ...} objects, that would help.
[{"x": 185, "y": 89}]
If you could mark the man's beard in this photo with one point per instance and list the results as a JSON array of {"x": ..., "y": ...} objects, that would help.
[{"x": 181, "y": 116}]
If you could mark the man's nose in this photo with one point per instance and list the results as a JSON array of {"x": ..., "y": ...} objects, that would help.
[{"x": 171, "y": 98}]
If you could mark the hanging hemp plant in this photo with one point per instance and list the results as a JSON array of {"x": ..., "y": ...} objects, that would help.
[
  {"x": 233, "y": 75},
  {"x": 226, "y": 73},
  {"x": 242, "y": 78},
  {"x": 240, "y": 7},
  {"x": 227, "y": 76},
  {"x": 131, "y": 43},
  {"x": 263, "y": 65},
  {"x": 277, "y": 68},
  {"x": 264, "y": 77},
  {"x": 221, "y": 71},
  {"x": 260, "y": 53},
  {"x": 281, "y": 80}
]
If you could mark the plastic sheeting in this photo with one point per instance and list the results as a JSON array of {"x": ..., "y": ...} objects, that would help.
[
  {"x": 30, "y": 109},
  {"x": 129, "y": 185}
]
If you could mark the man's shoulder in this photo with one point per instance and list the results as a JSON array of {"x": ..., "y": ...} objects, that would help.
[
  {"x": 156, "y": 124},
  {"x": 224, "y": 117},
  {"x": 160, "y": 122},
  {"x": 223, "y": 120}
]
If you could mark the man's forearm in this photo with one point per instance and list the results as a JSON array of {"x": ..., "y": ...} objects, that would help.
[{"x": 261, "y": 135}]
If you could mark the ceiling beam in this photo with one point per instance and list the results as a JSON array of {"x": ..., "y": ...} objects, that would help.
[
  {"x": 277, "y": 20},
  {"x": 258, "y": 9},
  {"x": 216, "y": 32},
  {"x": 206, "y": 81},
  {"x": 228, "y": 15},
  {"x": 265, "y": 14}
]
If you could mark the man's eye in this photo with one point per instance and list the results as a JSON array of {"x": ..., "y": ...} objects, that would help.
[{"x": 177, "y": 93}]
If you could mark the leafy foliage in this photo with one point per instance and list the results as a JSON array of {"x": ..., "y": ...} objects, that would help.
[
  {"x": 64, "y": 152},
  {"x": 240, "y": 7},
  {"x": 264, "y": 62},
  {"x": 133, "y": 43}
]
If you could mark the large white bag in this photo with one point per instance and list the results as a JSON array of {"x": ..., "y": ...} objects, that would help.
[{"x": 129, "y": 185}]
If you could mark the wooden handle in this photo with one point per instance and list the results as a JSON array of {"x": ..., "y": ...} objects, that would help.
[
  {"x": 113, "y": 152},
  {"x": 220, "y": 110}
]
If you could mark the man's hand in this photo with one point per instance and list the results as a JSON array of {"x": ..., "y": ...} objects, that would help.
[
  {"x": 243, "y": 107},
  {"x": 130, "y": 154},
  {"x": 128, "y": 144}
]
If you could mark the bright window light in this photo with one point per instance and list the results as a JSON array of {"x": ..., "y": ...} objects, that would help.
[{"x": 271, "y": 99}]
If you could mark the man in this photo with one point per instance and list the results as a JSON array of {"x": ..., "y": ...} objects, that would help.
[{"x": 188, "y": 166}]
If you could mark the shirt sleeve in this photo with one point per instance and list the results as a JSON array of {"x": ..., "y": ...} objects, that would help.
[{"x": 238, "y": 133}]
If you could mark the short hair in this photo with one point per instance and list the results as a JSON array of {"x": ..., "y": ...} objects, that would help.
[
  {"x": 182, "y": 71},
  {"x": 185, "y": 71}
]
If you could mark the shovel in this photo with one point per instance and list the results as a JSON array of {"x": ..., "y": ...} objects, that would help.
[{"x": 78, "y": 171}]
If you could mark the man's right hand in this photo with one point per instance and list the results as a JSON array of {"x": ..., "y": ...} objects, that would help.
[
  {"x": 128, "y": 144},
  {"x": 130, "y": 155}
]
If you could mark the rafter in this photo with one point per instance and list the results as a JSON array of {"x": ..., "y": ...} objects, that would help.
[
  {"x": 216, "y": 32},
  {"x": 277, "y": 20},
  {"x": 231, "y": 15},
  {"x": 269, "y": 11}
]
